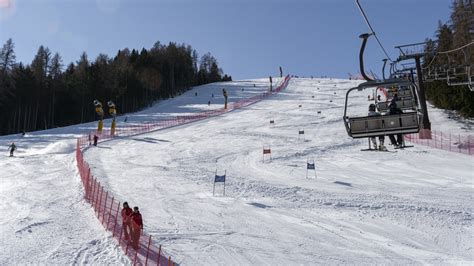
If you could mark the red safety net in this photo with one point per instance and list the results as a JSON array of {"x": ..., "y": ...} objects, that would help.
[{"x": 445, "y": 141}]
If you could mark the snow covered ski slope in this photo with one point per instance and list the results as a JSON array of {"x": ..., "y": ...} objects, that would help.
[
  {"x": 45, "y": 219},
  {"x": 410, "y": 206}
]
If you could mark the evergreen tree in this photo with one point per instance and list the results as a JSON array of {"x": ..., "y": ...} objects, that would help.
[
  {"x": 7, "y": 57},
  {"x": 457, "y": 33},
  {"x": 44, "y": 95}
]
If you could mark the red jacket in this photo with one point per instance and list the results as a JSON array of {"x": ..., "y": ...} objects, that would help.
[
  {"x": 126, "y": 212},
  {"x": 137, "y": 219}
]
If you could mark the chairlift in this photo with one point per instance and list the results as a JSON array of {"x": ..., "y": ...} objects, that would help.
[
  {"x": 372, "y": 126},
  {"x": 405, "y": 95},
  {"x": 455, "y": 75}
]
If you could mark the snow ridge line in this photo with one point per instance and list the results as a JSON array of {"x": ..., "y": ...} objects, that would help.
[{"x": 107, "y": 208}]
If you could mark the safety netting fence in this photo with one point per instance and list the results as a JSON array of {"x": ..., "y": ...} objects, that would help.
[
  {"x": 139, "y": 246},
  {"x": 445, "y": 141}
]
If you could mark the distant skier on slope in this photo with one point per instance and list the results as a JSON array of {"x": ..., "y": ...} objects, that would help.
[
  {"x": 224, "y": 92},
  {"x": 12, "y": 148},
  {"x": 96, "y": 138},
  {"x": 137, "y": 227},
  {"x": 381, "y": 147}
]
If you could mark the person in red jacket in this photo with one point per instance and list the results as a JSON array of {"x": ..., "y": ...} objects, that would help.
[
  {"x": 126, "y": 212},
  {"x": 137, "y": 226}
]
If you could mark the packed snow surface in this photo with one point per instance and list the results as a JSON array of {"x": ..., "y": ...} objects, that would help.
[
  {"x": 409, "y": 206},
  {"x": 404, "y": 207}
]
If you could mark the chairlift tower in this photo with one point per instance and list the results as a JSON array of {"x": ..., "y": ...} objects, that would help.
[{"x": 412, "y": 51}]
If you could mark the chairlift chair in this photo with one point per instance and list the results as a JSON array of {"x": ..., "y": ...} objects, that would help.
[
  {"x": 406, "y": 100},
  {"x": 372, "y": 126},
  {"x": 453, "y": 81},
  {"x": 430, "y": 75},
  {"x": 462, "y": 70}
]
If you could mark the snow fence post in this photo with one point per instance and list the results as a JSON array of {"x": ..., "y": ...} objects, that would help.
[
  {"x": 96, "y": 193},
  {"x": 88, "y": 185},
  {"x": 116, "y": 216},
  {"x": 147, "y": 250},
  {"x": 469, "y": 144},
  {"x": 100, "y": 201},
  {"x": 459, "y": 143},
  {"x": 93, "y": 190},
  {"x": 169, "y": 261},
  {"x": 442, "y": 140},
  {"x": 159, "y": 256},
  {"x": 110, "y": 211},
  {"x": 105, "y": 207},
  {"x": 450, "y": 144},
  {"x": 136, "y": 255}
]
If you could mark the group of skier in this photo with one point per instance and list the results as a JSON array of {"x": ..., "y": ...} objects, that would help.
[
  {"x": 393, "y": 110},
  {"x": 132, "y": 224}
]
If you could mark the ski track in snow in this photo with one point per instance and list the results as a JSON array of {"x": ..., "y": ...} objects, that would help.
[
  {"x": 45, "y": 219},
  {"x": 413, "y": 206}
]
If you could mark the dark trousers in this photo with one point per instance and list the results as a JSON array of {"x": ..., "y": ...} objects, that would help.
[{"x": 398, "y": 141}]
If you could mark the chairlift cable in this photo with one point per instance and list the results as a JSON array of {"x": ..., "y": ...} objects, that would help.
[
  {"x": 431, "y": 62},
  {"x": 372, "y": 30},
  {"x": 456, "y": 49}
]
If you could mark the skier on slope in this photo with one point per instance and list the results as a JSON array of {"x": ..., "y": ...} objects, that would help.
[
  {"x": 12, "y": 148},
  {"x": 137, "y": 226},
  {"x": 394, "y": 110},
  {"x": 372, "y": 112},
  {"x": 126, "y": 220},
  {"x": 224, "y": 93}
]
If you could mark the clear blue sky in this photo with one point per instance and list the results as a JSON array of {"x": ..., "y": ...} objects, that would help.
[{"x": 249, "y": 38}]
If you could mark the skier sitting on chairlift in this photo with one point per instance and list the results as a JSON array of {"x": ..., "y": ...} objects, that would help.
[
  {"x": 372, "y": 112},
  {"x": 394, "y": 110}
]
